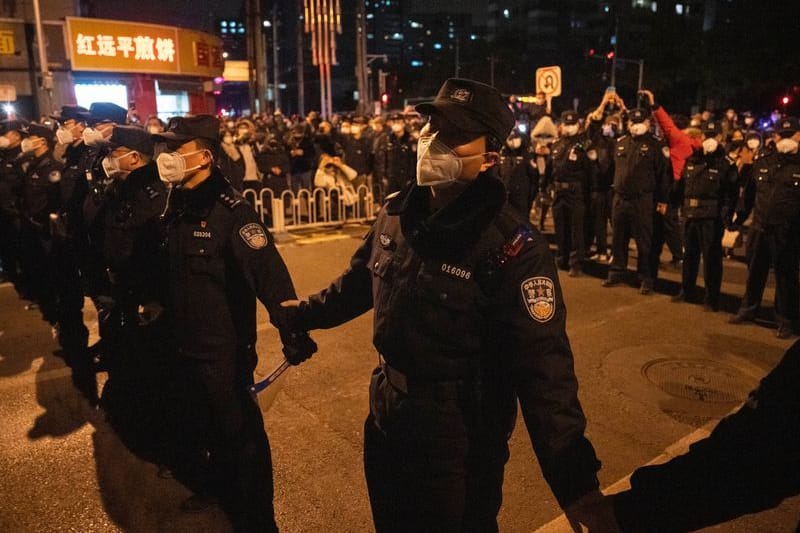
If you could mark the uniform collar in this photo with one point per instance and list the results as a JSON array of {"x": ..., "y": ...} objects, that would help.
[
  {"x": 454, "y": 229},
  {"x": 200, "y": 199}
]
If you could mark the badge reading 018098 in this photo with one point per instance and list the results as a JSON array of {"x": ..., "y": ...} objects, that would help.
[{"x": 539, "y": 297}]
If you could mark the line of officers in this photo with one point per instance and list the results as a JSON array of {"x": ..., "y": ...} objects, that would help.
[
  {"x": 174, "y": 274},
  {"x": 681, "y": 188}
]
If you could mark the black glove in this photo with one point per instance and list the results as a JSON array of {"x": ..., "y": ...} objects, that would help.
[{"x": 297, "y": 346}]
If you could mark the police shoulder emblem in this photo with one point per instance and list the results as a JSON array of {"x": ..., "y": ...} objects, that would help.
[
  {"x": 539, "y": 297},
  {"x": 386, "y": 241},
  {"x": 254, "y": 235}
]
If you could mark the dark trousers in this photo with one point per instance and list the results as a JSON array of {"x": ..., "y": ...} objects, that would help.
[
  {"x": 632, "y": 217},
  {"x": 38, "y": 270},
  {"x": 666, "y": 230},
  {"x": 601, "y": 210},
  {"x": 426, "y": 468},
  {"x": 779, "y": 247},
  {"x": 9, "y": 249},
  {"x": 226, "y": 420},
  {"x": 703, "y": 238},
  {"x": 569, "y": 211}
]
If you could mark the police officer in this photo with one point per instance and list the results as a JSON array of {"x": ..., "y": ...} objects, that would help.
[
  {"x": 709, "y": 190},
  {"x": 517, "y": 173},
  {"x": 40, "y": 202},
  {"x": 10, "y": 186},
  {"x": 221, "y": 257},
  {"x": 469, "y": 317},
  {"x": 574, "y": 169},
  {"x": 394, "y": 157},
  {"x": 642, "y": 174},
  {"x": 773, "y": 196},
  {"x": 132, "y": 287},
  {"x": 602, "y": 133}
]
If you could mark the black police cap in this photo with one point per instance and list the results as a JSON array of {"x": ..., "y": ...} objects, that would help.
[
  {"x": 638, "y": 115},
  {"x": 189, "y": 128},
  {"x": 17, "y": 124},
  {"x": 72, "y": 112},
  {"x": 788, "y": 127},
  {"x": 471, "y": 106},
  {"x": 570, "y": 117},
  {"x": 107, "y": 112},
  {"x": 711, "y": 128},
  {"x": 132, "y": 137},
  {"x": 35, "y": 129}
]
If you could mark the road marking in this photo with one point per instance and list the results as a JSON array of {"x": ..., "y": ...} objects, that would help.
[{"x": 322, "y": 238}]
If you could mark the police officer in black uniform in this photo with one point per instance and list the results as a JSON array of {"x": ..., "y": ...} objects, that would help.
[
  {"x": 221, "y": 257},
  {"x": 394, "y": 160},
  {"x": 773, "y": 196},
  {"x": 642, "y": 175},
  {"x": 517, "y": 173},
  {"x": 469, "y": 318},
  {"x": 709, "y": 190},
  {"x": 573, "y": 173},
  {"x": 133, "y": 282},
  {"x": 40, "y": 203},
  {"x": 10, "y": 186}
]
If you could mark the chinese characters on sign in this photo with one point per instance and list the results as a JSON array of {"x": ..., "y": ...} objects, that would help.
[
  {"x": 116, "y": 46},
  {"x": 142, "y": 47},
  {"x": 7, "y": 42}
]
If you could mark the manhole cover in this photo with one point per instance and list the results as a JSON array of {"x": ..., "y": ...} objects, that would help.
[{"x": 699, "y": 380}]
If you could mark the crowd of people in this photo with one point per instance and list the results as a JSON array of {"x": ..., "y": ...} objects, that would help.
[{"x": 148, "y": 221}]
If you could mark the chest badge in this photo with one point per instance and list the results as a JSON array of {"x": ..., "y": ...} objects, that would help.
[
  {"x": 539, "y": 297},
  {"x": 457, "y": 272},
  {"x": 386, "y": 241},
  {"x": 254, "y": 235}
]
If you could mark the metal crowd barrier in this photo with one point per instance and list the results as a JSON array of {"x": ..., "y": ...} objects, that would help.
[{"x": 310, "y": 208}]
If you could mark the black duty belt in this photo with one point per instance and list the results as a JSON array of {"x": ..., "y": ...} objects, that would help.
[
  {"x": 439, "y": 390},
  {"x": 566, "y": 185},
  {"x": 700, "y": 202}
]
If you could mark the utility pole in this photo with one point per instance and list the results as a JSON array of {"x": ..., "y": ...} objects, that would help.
[
  {"x": 301, "y": 79},
  {"x": 46, "y": 84},
  {"x": 492, "y": 62},
  {"x": 260, "y": 57},
  {"x": 362, "y": 61},
  {"x": 276, "y": 76}
]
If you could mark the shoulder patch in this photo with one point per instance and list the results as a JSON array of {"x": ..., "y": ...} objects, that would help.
[
  {"x": 665, "y": 151},
  {"x": 539, "y": 298},
  {"x": 229, "y": 200},
  {"x": 54, "y": 176},
  {"x": 151, "y": 191},
  {"x": 254, "y": 235}
]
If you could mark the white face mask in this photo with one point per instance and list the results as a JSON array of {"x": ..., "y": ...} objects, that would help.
[
  {"x": 172, "y": 166},
  {"x": 514, "y": 143},
  {"x": 749, "y": 121},
  {"x": 437, "y": 164},
  {"x": 93, "y": 137},
  {"x": 638, "y": 129},
  {"x": 397, "y": 128},
  {"x": 4, "y": 142},
  {"x": 570, "y": 130},
  {"x": 753, "y": 144},
  {"x": 153, "y": 129},
  {"x": 111, "y": 165},
  {"x": 64, "y": 136},
  {"x": 28, "y": 145},
  {"x": 787, "y": 146},
  {"x": 710, "y": 145},
  {"x": 608, "y": 130}
]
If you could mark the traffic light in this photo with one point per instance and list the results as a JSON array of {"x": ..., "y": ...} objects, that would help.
[
  {"x": 785, "y": 100},
  {"x": 385, "y": 99},
  {"x": 591, "y": 52},
  {"x": 610, "y": 55}
]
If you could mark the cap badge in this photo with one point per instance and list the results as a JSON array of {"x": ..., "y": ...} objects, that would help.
[{"x": 461, "y": 95}]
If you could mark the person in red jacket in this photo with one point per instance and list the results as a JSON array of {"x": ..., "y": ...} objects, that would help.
[{"x": 666, "y": 228}]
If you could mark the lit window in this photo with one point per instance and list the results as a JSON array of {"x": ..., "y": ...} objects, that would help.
[
  {"x": 415, "y": 24},
  {"x": 654, "y": 7},
  {"x": 370, "y": 16},
  {"x": 679, "y": 9},
  {"x": 86, "y": 93},
  {"x": 370, "y": 36},
  {"x": 428, "y": 32},
  {"x": 416, "y": 63},
  {"x": 397, "y": 36},
  {"x": 506, "y": 14},
  {"x": 473, "y": 37},
  {"x": 223, "y": 23},
  {"x": 437, "y": 46}
]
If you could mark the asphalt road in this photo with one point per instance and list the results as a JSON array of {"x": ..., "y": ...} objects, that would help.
[{"x": 651, "y": 373}]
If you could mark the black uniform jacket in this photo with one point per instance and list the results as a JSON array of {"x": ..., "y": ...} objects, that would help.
[
  {"x": 221, "y": 258},
  {"x": 470, "y": 292}
]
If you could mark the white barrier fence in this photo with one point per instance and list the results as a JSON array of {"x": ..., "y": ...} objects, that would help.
[{"x": 311, "y": 208}]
